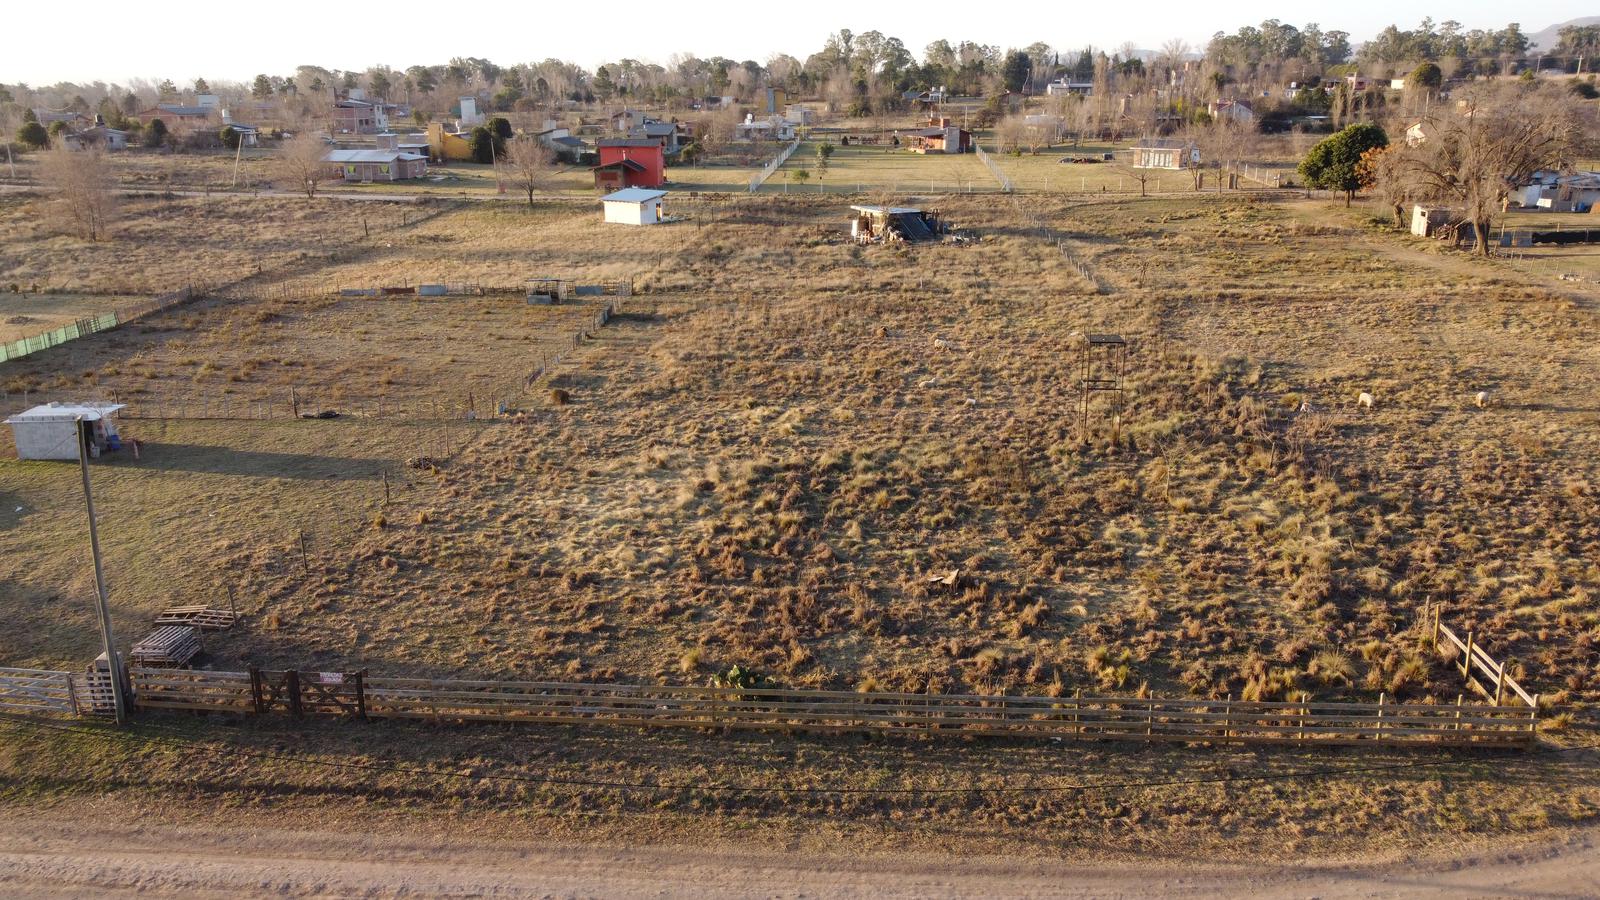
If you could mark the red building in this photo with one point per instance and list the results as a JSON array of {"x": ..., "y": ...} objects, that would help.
[{"x": 630, "y": 162}]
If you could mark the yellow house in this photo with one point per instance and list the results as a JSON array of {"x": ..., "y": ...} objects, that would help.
[{"x": 445, "y": 146}]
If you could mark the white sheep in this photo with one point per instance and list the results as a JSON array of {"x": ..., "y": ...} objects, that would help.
[
  {"x": 928, "y": 382},
  {"x": 1365, "y": 400},
  {"x": 971, "y": 402},
  {"x": 1483, "y": 399},
  {"x": 941, "y": 344}
]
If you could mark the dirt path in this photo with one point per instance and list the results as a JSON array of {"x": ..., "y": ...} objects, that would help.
[{"x": 51, "y": 857}]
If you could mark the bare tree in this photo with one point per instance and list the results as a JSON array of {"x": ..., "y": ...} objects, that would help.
[
  {"x": 1383, "y": 170},
  {"x": 1488, "y": 142},
  {"x": 82, "y": 190},
  {"x": 528, "y": 160},
  {"x": 300, "y": 164}
]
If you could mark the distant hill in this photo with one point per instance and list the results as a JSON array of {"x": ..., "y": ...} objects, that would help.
[{"x": 1548, "y": 38}]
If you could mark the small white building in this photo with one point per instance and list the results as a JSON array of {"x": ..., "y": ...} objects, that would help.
[
  {"x": 52, "y": 431},
  {"x": 634, "y": 206}
]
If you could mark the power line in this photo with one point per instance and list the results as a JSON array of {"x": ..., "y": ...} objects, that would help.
[{"x": 1099, "y": 787}]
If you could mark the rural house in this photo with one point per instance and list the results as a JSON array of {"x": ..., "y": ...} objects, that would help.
[
  {"x": 1062, "y": 87},
  {"x": 634, "y": 206},
  {"x": 386, "y": 163},
  {"x": 71, "y": 117},
  {"x": 1557, "y": 192},
  {"x": 1236, "y": 111},
  {"x": 53, "y": 430},
  {"x": 664, "y": 133},
  {"x": 630, "y": 162},
  {"x": 178, "y": 118},
  {"x": 770, "y": 128},
  {"x": 447, "y": 146},
  {"x": 98, "y": 136},
  {"x": 1164, "y": 153},
  {"x": 940, "y": 137}
]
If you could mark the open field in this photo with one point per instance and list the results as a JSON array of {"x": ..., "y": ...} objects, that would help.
[
  {"x": 25, "y": 314},
  {"x": 855, "y": 468},
  {"x": 867, "y": 169}
]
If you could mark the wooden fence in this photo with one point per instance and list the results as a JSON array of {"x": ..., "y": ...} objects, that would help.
[
  {"x": 33, "y": 691},
  {"x": 355, "y": 694},
  {"x": 1474, "y": 662}
]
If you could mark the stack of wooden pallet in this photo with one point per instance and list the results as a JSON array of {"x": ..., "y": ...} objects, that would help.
[
  {"x": 168, "y": 647},
  {"x": 200, "y": 616}
]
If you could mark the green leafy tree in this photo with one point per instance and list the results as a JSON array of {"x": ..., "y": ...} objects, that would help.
[
  {"x": 201, "y": 86},
  {"x": 824, "y": 150},
  {"x": 155, "y": 134},
  {"x": 500, "y": 127},
  {"x": 261, "y": 88},
  {"x": 167, "y": 90},
  {"x": 1016, "y": 69},
  {"x": 604, "y": 87},
  {"x": 1427, "y": 76},
  {"x": 482, "y": 145},
  {"x": 1334, "y": 164},
  {"x": 33, "y": 135},
  {"x": 230, "y": 137}
]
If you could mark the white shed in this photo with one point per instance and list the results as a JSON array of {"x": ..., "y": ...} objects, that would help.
[
  {"x": 51, "y": 431},
  {"x": 634, "y": 206}
]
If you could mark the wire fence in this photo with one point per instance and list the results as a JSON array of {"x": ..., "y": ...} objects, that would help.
[
  {"x": 994, "y": 168},
  {"x": 122, "y": 314}
]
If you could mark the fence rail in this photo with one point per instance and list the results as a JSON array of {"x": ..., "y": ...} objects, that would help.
[
  {"x": 1476, "y": 661},
  {"x": 37, "y": 691},
  {"x": 771, "y": 167},
  {"x": 1068, "y": 718}
]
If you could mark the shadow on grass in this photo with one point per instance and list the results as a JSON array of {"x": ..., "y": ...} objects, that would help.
[
  {"x": 12, "y": 510},
  {"x": 213, "y": 460}
]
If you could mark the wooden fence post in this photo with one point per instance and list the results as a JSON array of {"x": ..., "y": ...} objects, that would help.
[
  {"x": 72, "y": 694},
  {"x": 361, "y": 694},
  {"x": 1466, "y": 659},
  {"x": 292, "y": 684},
  {"x": 1381, "y": 697},
  {"x": 257, "y": 701},
  {"x": 1500, "y": 685},
  {"x": 1436, "y": 627}
]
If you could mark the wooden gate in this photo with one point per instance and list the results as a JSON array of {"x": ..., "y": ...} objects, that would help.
[{"x": 309, "y": 693}]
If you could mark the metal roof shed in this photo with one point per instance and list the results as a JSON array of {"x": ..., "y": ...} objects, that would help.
[
  {"x": 634, "y": 206},
  {"x": 50, "y": 431}
]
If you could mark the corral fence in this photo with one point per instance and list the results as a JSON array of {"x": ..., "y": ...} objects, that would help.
[
  {"x": 772, "y": 167},
  {"x": 121, "y": 315},
  {"x": 1508, "y": 719},
  {"x": 994, "y": 168},
  {"x": 357, "y": 694}
]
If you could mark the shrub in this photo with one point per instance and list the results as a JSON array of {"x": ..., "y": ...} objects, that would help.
[{"x": 33, "y": 135}]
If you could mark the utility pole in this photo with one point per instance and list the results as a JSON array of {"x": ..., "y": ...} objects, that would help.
[{"x": 118, "y": 687}]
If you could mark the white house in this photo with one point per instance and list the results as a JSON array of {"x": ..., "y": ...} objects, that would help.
[
  {"x": 52, "y": 431},
  {"x": 772, "y": 128},
  {"x": 1063, "y": 86},
  {"x": 634, "y": 206}
]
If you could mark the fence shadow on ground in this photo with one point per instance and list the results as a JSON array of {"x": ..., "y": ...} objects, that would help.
[{"x": 214, "y": 460}]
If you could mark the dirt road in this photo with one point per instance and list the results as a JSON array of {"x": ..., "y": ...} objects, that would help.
[{"x": 50, "y": 857}]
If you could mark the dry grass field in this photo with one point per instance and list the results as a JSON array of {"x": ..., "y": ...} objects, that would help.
[
  {"x": 864, "y": 468},
  {"x": 26, "y": 314}
]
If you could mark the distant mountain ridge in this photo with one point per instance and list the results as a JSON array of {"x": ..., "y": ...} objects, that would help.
[{"x": 1548, "y": 38}]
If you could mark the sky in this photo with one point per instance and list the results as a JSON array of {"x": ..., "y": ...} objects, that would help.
[{"x": 114, "y": 40}]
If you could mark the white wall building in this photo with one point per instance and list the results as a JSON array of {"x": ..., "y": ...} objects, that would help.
[
  {"x": 51, "y": 431},
  {"x": 634, "y": 206}
]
